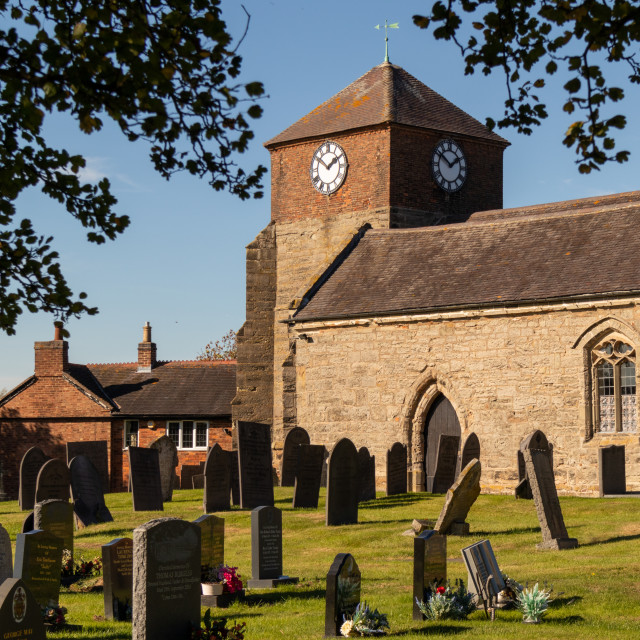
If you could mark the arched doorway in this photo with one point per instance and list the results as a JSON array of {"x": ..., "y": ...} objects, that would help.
[{"x": 441, "y": 445}]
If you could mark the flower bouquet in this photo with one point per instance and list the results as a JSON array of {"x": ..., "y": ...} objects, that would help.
[
  {"x": 223, "y": 575},
  {"x": 365, "y": 622},
  {"x": 447, "y": 603}
]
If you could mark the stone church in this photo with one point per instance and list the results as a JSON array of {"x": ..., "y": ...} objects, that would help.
[{"x": 391, "y": 298}]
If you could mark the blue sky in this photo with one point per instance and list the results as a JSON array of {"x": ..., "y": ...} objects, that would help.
[{"x": 180, "y": 265}]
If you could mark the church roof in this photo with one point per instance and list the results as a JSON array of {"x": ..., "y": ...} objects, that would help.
[
  {"x": 387, "y": 93},
  {"x": 564, "y": 250}
]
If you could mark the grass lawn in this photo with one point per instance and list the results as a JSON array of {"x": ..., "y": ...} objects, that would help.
[{"x": 596, "y": 586}]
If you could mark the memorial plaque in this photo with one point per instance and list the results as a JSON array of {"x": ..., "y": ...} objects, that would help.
[
  {"x": 166, "y": 580},
  {"x": 86, "y": 493},
  {"x": 397, "y": 469},
  {"x": 309, "y": 470},
  {"x": 342, "y": 593},
  {"x": 20, "y": 615},
  {"x": 611, "y": 470},
  {"x": 446, "y": 463},
  {"x": 470, "y": 450},
  {"x": 484, "y": 576},
  {"x": 53, "y": 481},
  {"x": 6, "y": 556},
  {"x": 211, "y": 540},
  {"x": 144, "y": 473},
  {"x": 30, "y": 466},
  {"x": 55, "y": 517},
  {"x": 117, "y": 572},
  {"x": 429, "y": 566},
  {"x": 217, "y": 480},
  {"x": 98, "y": 452},
  {"x": 343, "y": 486},
  {"x": 235, "y": 477},
  {"x": 294, "y": 437},
  {"x": 168, "y": 461},
  {"x": 187, "y": 471},
  {"x": 254, "y": 459},
  {"x": 367, "y": 475},
  {"x": 459, "y": 500},
  {"x": 27, "y": 525}
]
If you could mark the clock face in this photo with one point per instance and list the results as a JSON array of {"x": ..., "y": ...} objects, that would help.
[
  {"x": 449, "y": 166},
  {"x": 328, "y": 167}
]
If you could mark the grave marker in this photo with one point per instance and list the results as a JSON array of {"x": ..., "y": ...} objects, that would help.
[
  {"x": 611, "y": 470},
  {"x": 459, "y": 500},
  {"x": 325, "y": 468},
  {"x": 367, "y": 475},
  {"x": 117, "y": 572},
  {"x": 309, "y": 470},
  {"x": 86, "y": 493},
  {"x": 6, "y": 556},
  {"x": 55, "y": 517},
  {"x": 484, "y": 576},
  {"x": 211, "y": 540},
  {"x": 30, "y": 466},
  {"x": 397, "y": 469},
  {"x": 98, "y": 452},
  {"x": 198, "y": 482},
  {"x": 294, "y": 437},
  {"x": 27, "y": 525},
  {"x": 235, "y": 477},
  {"x": 53, "y": 481},
  {"x": 429, "y": 566},
  {"x": 536, "y": 440},
  {"x": 187, "y": 471},
  {"x": 20, "y": 615},
  {"x": 254, "y": 460},
  {"x": 446, "y": 463},
  {"x": 144, "y": 475},
  {"x": 168, "y": 461},
  {"x": 343, "y": 486},
  {"x": 217, "y": 480},
  {"x": 342, "y": 593}
]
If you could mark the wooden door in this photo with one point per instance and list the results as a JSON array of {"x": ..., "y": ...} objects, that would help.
[{"x": 441, "y": 420}]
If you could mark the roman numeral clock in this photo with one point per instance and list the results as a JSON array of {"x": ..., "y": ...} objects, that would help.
[
  {"x": 328, "y": 167},
  {"x": 449, "y": 166}
]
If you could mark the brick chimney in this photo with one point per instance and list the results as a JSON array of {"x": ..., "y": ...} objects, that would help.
[
  {"x": 52, "y": 357},
  {"x": 146, "y": 351}
]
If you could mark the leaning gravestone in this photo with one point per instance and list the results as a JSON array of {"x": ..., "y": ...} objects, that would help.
[
  {"x": 166, "y": 580},
  {"x": 266, "y": 549},
  {"x": 144, "y": 473},
  {"x": 366, "y": 475},
  {"x": 397, "y": 469},
  {"x": 429, "y": 566},
  {"x": 545, "y": 497},
  {"x": 168, "y": 461},
  {"x": 459, "y": 500},
  {"x": 55, "y": 517},
  {"x": 342, "y": 593},
  {"x": 98, "y": 452},
  {"x": 611, "y": 470},
  {"x": 343, "y": 485},
  {"x": 30, "y": 466},
  {"x": 217, "y": 480},
  {"x": 254, "y": 460},
  {"x": 117, "y": 572},
  {"x": 446, "y": 463},
  {"x": 484, "y": 576},
  {"x": 295, "y": 437},
  {"x": 235, "y": 477},
  {"x": 86, "y": 493},
  {"x": 309, "y": 469},
  {"x": 187, "y": 471},
  {"x": 53, "y": 481},
  {"x": 38, "y": 563},
  {"x": 20, "y": 615},
  {"x": 6, "y": 557},
  {"x": 536, "y": 440}
]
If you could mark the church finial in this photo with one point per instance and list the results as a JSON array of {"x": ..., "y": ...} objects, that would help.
[{"x": 386, "y": 37}]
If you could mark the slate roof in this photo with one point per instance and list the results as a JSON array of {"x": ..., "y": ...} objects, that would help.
[
  {"x": 587, "y": 247},
  {"x": 385, "y": 94}
]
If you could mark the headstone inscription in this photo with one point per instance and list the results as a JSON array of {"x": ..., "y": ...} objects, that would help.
[
  {"x": 217, "y": 480},
  {"x": 144, "y": 472},
  {"x": 6, "y": 557},
  {"x": 86, "y": 492},
  {"x": 343, "y": 486},
  {"x": 294, "y": 437},
  {"x": 470, "y": 450},
  {"x": 308, "y": 471},
  {"x": 235, "y": 477},
  {"x": 545, "y": 497},
  {"x": 366, "y": 475},
  {"x": 55, "y": 517},
  {"x": 342, "y": 593},
  {"x": 484, "y": 577},
  {"x": 38, "y": 563},
  {"x": 20, "y": 615},
  {"x": 446, "y": 463},
  {"x": 429, "y": 566},
  {"x": 98, "y": 452},
  {"x": 30, "y": 466},
  {"x": 211, "y": 540},
  {"x": 266, "y": 549},
  {"x": 117, "y": 573},
  {"x": 459, "y": 500},
  {"x": 168, "y": 461},
  {"x": 166, "y": 579},
  {"x": 611, "y": 470},
  {"x": 254, "y": 460},
  {"x": 53, "y": 481},
  {"x": 397, "y": 469},
  {"x": 187, "y": 471}
]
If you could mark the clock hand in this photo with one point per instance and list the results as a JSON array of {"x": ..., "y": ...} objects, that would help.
[
  {"x": 455, "y": 161},
  {"x": 447, "y": 161},
  {"x": 323, "y": 162},
  {"x": 335, "y": 159}
]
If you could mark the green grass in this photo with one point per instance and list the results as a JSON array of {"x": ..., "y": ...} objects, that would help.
[{"x": 596, "y": 586}]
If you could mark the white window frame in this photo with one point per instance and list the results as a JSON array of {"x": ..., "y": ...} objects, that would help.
[
  {"x": 181, "y": 426},
  {"x": 128, "y": 433}
]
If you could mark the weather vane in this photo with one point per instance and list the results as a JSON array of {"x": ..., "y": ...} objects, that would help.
[{"x": 386, "y": 37}]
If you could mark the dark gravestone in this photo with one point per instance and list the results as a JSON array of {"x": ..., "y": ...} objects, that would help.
[
  {"x": 397, "y": 469},
  {"x": 55, "y": 517},
  {"x": 168, "y": 461},
  {"x": 484, "y": 577},
  {"x": 470, "y": 450},
  {"x": 187, "y": 471},
  {"x": 309, "y": 469},
  {"x": 429, "y": 566},
  {"x": 211, "y": 540},
  {"x": 460, "y": 498},
  {"x": 295, "y": 437},
  {"x": 611, "y": 470},
  {"x": 38, "y": 563},
  {"x": 20, "y": 615},
  {"x": 144, "y": 472},
  {"x": 117, "y": 572},
  {"x": 98, "y": 452},
  {"x": 343, "y": 485},
  {"x": 325, "y": 468},
  {"x": 342, "y": 593},
  {"x": 27, "y": 525},
  {"x": 217, "y": 480},
  {"x": 6, "y": 557},
  {"x": 30, "y": 466},
  {"x": 366, "y": 475},
  {"x": 446, "y": 463},
  {"x": 198, "y": 482},
  {"x": 53, "y": 481},
  {"x": 235, "y": 477},
  {"x": 166, "y": 580},
  {"x": 266, "y": 549},
  {"x": 254, "y": 460},
  {"x": 86, "y": 493}
]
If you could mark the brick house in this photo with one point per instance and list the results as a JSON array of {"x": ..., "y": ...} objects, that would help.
[{"x": 126, "y": 403}]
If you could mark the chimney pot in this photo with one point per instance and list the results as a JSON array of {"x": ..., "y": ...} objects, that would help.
[
  {"x": 146, "y": 351},
  {"x": 57, "y": 330},
  {"x": 146, "y": 332}
]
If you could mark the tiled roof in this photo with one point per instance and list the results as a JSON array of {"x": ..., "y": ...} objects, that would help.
[
  {"x": 563, "y": 250},
  {"x": 385, "y": 94}
]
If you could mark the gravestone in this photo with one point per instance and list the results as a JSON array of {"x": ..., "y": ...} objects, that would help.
[
  {"x": 460, "y": 498},
  {"x": 536, "y": 440},
  {"x": 38, "y": 563},
  {"x": 235, "y": 477},
  {"x": 325, "y": 468},
  {"x": 217, "y": 480},
  {"x": 211, "y": 540},
  {"x": 27, "y": 525},
  {"x": 294, "y": 437},
  {"x": 470, "y": 450},
  {"x": 545, "y": 497},
  {"x": 144, "y": 474},
  {"x": 309, "y": 469},
  {"x": 168, "y": 461},
  {"x": 198, "y": 482},
  {"x": 342, "y": 593},
  {"x": 6, "y": 556},
  {"x": 254, "y": 460},
  {"x": 20, "y": 615},
  {"x": 367, "y": 475},
  {"x": 484, "y": 576},
  {"x": 86, "y": 493},
  {"x": 343, "y": 486},
  {"x": 429, "y": 566},
  {"x": 55, "y": 517},
  {"x": 446, "y": 463},
  {"x": 397, "y": 469},
  {"x": 30, "y": 466},
  {"x": 187, "y": 471},
  {"x": 117, "y": 573},
  {"x": 53, "y": 481},
  {"x": 166, "y": 580},
  {"x": 611, "y": 470},
  {"x": 266, "y": 549},
  {"x": 98, "y": 452}
]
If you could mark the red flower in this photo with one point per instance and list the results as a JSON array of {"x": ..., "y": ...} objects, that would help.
[{"x": 440, "y": 590}]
